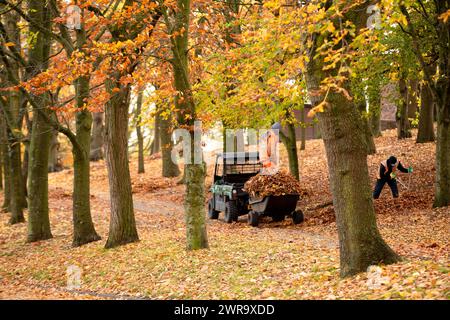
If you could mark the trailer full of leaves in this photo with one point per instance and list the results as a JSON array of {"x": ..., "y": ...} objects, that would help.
[{"x": 278, "y": 184}]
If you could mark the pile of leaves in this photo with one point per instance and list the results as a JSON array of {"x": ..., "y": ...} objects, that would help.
[
  {"x": 144, "y": 184},
  {"x": 278, "y": 184}
]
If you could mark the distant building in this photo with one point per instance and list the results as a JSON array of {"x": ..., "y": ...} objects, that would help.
[{"x": 389, "y": 96}]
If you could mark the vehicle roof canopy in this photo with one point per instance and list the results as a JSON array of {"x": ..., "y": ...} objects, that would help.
[{"x": 242, "y": 156}]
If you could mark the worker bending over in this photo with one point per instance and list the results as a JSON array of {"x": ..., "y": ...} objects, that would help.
[{"x": 387, "y": 174}]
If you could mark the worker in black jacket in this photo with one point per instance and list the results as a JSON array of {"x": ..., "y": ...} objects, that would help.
[{"x": 387, "y": 174}]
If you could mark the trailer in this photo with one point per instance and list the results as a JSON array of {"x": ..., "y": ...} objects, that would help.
[{"x": 276, "y": 207}]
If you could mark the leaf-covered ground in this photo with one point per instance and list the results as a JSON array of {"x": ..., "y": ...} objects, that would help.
[{"x": 275, "y": 261}]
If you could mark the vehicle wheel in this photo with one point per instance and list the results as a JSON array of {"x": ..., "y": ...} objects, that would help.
[
  {"x": 212, "y": 213},
  {"x": 253, "y": 218},
  {"x": 231, "y": 212},
  {"x": 297, "y": 216},
  {"x": 278, "y": 218}
]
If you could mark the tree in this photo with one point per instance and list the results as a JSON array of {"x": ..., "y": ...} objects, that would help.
[
  {"x": 96, "y": 152},
  {"x": 37, "y": 86},
  {"x": 426, "y": 119},
  {"x": 155, "y": 146},
  {"x": 342, "y": 129},
  {"x": 169, "y": 168},
  {"x": 38, "y": 60},
  {"x": 140, "y": 138},
  {"x": 184, "y": 101},
  {"x": 53, "y": 153},
  {"x": 122, "y": 228},
  {"x": 290, "y": 141},
  {"x": 435, "y": 13},
  {"x": 260, "y": 80},
  {"x": 12, "y": 112},
  {"x": 403, "y": 124},
  {"x": 5, "y": 164}
]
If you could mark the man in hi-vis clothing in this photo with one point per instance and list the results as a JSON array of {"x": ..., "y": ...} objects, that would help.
[
  {"x": 269, "y": 157},
  {"x": 387, "y": 174}
]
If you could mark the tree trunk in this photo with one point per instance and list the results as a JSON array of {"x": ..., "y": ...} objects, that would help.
[
  {"x": 403, "y": 126},
  {"x": 361, "y": 244},
  {"x": 442, "y": 186},
  {"x": 375, "y": 124},
  {"x": 194, "y": 172},
  {"x": 96, "y": 152},
  {"x": 196, "y": 236},
  {"x": 169, "y": 168},
  {"x": 344, "y": 136},
  {"x": 53, "y": 152},
  {"x": 290, "y": 142},
  {"x": 83, "y": 227},
  {"x": 426, "y": 128},
  {"x": 155, "y": 147},
  {"x": 25, "y": 164},
  {"x": 140, "y": 138},
  {"x": 6, "y": 164},
  {"x": 122, "y": 227},
  {"x": 17, "y": 202},
  {"x": 17, "y": 199},
  {"x": 26, "y": 157},
  {"x": 303, "y": 129},
  {"x": 370, "y": 143},
  {"x": 38, "y": 215},
  {"x": 1, "y": 168},
  {"x": 375, "y": 114},
  {"x": 368, "y": 136},
  {"x": 442, "y": 102},
  {"x": 413, "y": 99}
]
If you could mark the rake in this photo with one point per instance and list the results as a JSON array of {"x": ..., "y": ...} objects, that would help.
[{"x": 403, "y": 184}]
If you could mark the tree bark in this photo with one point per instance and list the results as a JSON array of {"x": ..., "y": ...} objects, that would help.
[
  {"x": 303, "y": 129},
  {"x": 1, "y": 168},
  {"x": 196, "y": 234},
  {"x": 6, "y": 164},
  {"x": 403, "y": 126},
  {"x": 413, "y": 95},
  {"x": 53, "y": 152},
  {"x": 155, "y": 146},
  {"x": 17, "y": 198},
  {"x": 96, "y": 151},
  {"x": 290, "y": 142},
  {"x": 342, "y": 129},
  {"x": 375, "y": 124},
  {"x": 442, "y": 186},
  {"x": 169, "y": 168},
  {"x": 375, "y": 113},
  {"x": 368, "y": 136},
  {"x": 38, "y": 215},
  {"x": 17, "y": 202},
  {"x": 26, "y": 153},
  {"x": 83, "y": 227},
  {"x": 140, "y": 138},
  {"x": 122, "y": 227},
  {"x": 426, "y": 127}
]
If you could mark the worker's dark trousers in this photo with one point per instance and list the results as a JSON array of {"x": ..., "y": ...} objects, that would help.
[{"x": 380, "y": 184}]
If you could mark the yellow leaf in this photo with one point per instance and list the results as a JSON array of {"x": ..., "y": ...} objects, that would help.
[
  {"x": 319, "y": 108},
  {"x": 330, "y": 27},
  {"x": 445, "y": 16},
  {"x": 9, "y": 44}
]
